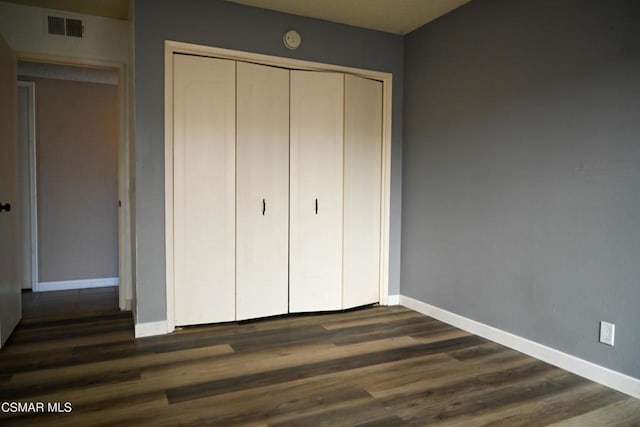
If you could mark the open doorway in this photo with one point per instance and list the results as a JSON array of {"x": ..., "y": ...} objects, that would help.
[{"x": 71, "y": 131}]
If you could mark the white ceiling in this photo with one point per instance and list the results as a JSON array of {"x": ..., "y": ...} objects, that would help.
[
  {"x": 392, "y": 16},
  {"x": 117, "y": 9}
]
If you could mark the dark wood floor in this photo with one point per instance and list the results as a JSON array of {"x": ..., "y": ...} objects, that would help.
[
  {"x": 376, "y": 367},
  {"x": 71, "y": 302}
]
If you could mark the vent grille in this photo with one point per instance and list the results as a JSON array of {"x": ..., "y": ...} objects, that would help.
[
  {"x": 74, "y": 27},
  {"x": 61, "y": 26},
  {"x": 55, "y": 25}
]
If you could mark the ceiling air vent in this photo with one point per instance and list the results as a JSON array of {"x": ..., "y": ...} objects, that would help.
[
  {"x": 61, "y": 26},
  {"x": 74, "y": 27},
  {"x": 55, "y": 25}
]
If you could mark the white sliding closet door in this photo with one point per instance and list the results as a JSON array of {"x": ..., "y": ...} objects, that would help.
[
  {"x": 204, "y": 189},
  {"x": 315, "y": 277},
  {"x": 262, "y": 244},
  {"x": 362, "y": 190}
]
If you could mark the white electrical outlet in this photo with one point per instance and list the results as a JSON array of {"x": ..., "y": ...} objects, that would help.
[{"x": 607, "y": 333}]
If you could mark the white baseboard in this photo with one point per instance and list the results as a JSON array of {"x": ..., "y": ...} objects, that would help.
[
  {"x": 393, "y": 299},
  {"x": 149, "y": 329},
  {"x": 128, "y": 305},
  {"x": 76, "y": 284},
  {"x": 600, "y": 374}
]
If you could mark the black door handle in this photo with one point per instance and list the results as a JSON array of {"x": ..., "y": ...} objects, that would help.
[
  {"x": 6, "y": 207},
  {"x": 264, "y": 206},
  {"x": 316, "y": 206}
]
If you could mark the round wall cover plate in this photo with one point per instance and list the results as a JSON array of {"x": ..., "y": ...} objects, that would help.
[{"x": 292, "y": 39}]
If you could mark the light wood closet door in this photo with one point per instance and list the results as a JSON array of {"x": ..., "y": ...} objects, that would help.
[
  {"x": 204, "y": 189},
  {"x": 262, "y": 242},
  {"x": 315, "y": 281},
  {"x": 362, "y": 190}
]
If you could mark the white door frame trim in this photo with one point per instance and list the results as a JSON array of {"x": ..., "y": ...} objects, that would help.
[
  {"x": 30, "y": 216},
  {"x": 124, "y": 165},
  {"x": 172, "y": 47}
]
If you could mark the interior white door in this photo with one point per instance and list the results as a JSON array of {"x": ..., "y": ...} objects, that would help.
[
  {"x": 262, "y": 173},
  {"x": 362, "y": 191},
  {"x": 10, "y": 286},
  {"x": 204, "y": 189},
  {"x": 315, "y": 270}
]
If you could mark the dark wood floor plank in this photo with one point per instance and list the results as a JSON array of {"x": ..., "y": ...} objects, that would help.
[
  {"x": 343, "y": 415},
  {"x": 477, "y": 351},
  {"x": 211, "y": 388},
  {"x": 12, "y": 364},
  {"x": 440, "y": 335},
  {"x": 376, "y": 331},
  {"x": 259, "y": 406},
  {"x": 370, "y": 366},
  {"x": 292, "y": 406},
  {"x": 510, "y": 394},
  {"x": 67, "y": 344},
  {"x": 411, "y": 377},
  {"x": 78, "y": 372},
  {"x": 268, "y": 360},
  {"x": 5, "y": 378},
  {"x": 390, "y": 421},
  {"x": 269, "y": 400},
  {"x": 278, "y": 337},
  {"x": 67, "y": 357},
  {"x": 621, "y": 413},
  {"x": 99, "y": 413},
  {"x": 13, "y": 392},
  {"x": 51, "y": 323},
  {"x": 300, "y": 319},
  {"x": 429, "y": 401},
  {"x": 364, "y": 319},
  {"x": 547, "y": 409},
  {"x": 182, "y": 372},
  {"x": 245, "y": 340},
  {"x": 70, "y": 331}
]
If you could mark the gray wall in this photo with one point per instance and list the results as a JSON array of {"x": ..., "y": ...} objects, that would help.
[
  {"x": 77, "y": 179},
  {"x": 521, "y": 172},
  {"x": 232, "y": 26}
]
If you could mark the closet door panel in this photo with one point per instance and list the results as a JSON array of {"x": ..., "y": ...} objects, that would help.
[
  {"x": 204, "y": 190},
  {"x": 316, "y": 191},
  {"x": 362, "y": 191},
  {"x": 262, "y": 241}
]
